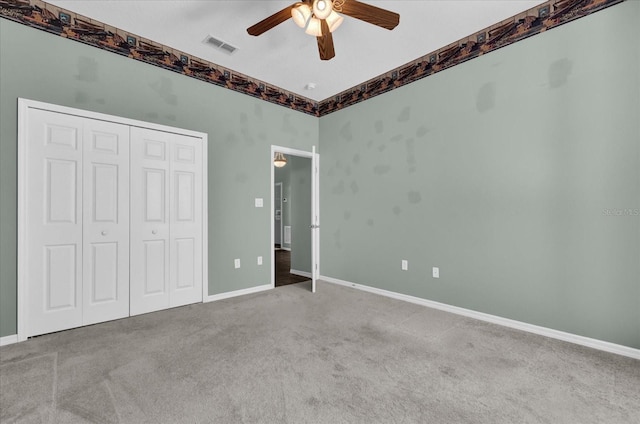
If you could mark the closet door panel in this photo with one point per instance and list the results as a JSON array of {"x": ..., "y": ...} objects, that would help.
[
  {"x": 149, "y": 267},
  {"x": 185, "y": 263},
  {"x": 186, "y": 221},
  {"x": 155, "y": 258},
  {"x": 54, "y": 222},
  {"x": 103, "y": 279},
  {"x": 106, "y": 222}
]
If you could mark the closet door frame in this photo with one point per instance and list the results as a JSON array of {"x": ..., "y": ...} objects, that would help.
[{"x": 24, "y": 106}]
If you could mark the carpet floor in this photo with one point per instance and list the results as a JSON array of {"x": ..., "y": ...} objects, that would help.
[{"x": 290, "y": 356}]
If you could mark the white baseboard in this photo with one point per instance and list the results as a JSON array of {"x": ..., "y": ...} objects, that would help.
[
  {"x": 7, "y": 340},
  {"x": 300, "y": 273},
  {"x": 518, "y": 325},
  {"x": 235, "y": 293}
]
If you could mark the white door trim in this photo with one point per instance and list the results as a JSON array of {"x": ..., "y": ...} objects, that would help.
[
  {"x": 24, "y": 105},
  {"x": 281, "y": 214},
  {"x": 314, "y": 195},
  {"x": 315, "y": 219},
  {"x": 22, "y": 290}
]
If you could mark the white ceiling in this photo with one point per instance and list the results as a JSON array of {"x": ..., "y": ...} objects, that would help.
[{"x": 287, "y": 57}]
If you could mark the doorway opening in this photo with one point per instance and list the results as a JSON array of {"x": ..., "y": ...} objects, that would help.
[
  {"x": 294, "y": 217},
  {"x": 283, "y": 209}
]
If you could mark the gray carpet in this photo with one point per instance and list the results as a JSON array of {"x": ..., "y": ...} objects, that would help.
[{"x": 289, "y": 356}]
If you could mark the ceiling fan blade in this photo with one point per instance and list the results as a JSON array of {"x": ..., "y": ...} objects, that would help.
[
  {"x": 325, "y": 43},
  {"x": 372, "y": 14},
  {"x": 270, "y": 22}
]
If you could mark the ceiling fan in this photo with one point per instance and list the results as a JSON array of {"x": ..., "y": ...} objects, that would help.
[{"x": 319, "y": 19}]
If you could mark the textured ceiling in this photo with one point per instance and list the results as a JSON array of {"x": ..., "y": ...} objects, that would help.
[{"x": 285, "y": 56}]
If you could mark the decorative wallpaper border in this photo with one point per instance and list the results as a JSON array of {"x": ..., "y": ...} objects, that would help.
[
  {"x": 41, "y": 15},
  {"x": 532, "y": 22}
]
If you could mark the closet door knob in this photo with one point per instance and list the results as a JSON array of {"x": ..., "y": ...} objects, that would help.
[
  {"x": 154, "y": 231},
  {"x": 104, "y": 233}
]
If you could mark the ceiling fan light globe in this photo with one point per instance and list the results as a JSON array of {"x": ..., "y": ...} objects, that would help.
[
  {"x": 279, "y": 160},
  {"x": 334, "y": 21},
  {"x": 314, "y": 27},
  {"x": 322, "y": 8},
  {"x": 301, "y": 14}
]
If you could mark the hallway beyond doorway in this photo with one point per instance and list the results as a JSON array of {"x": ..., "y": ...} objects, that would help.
[{"x": 283, "y": 266}]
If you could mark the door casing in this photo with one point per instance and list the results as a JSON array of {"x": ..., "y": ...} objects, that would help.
[
  {"x": 315, "y": 208},
  {"x": 279, "y": 206}
]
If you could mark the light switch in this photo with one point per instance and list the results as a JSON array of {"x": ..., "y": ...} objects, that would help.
[
  {"x": 405, "y": 265},
  {"x": 436, "y": 272},
  {"x": 259, "y": 260},
  {"x": 236, "y": 263},
  {"x": 259, "y": 202}
]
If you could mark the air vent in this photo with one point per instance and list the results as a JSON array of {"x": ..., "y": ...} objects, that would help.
[{"x": 219, "y": 44}]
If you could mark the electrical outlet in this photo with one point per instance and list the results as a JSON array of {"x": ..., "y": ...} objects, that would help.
[
  {"x": 259, "y": 202},
  {"x": 236, "y": 263},
  {"x": 436, "y": 272},
  {"x": 405, "y": 265},
  {"x": 259, "y": 260}
]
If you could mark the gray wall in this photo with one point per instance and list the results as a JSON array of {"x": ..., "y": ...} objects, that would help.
[
  {"x": 300, "y": 203},
  {"x": 499, "y": 171},
  {"x": 282, "y": 175},
  {"x": 44, "y": 67}
]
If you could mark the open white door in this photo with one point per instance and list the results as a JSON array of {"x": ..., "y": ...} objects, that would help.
[{"x": 315, "y": 221}]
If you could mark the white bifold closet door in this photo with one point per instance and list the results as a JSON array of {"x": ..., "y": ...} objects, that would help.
[
  {"x": 166, "y": 220},
  {"x": 105, "y": 226},
  {"x": 77, "y": 221}
]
